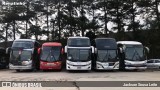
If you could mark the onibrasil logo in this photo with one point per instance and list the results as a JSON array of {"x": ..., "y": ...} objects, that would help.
[
  {"x": 6, "y": 84},
  {"x": 20, "y": 84}
]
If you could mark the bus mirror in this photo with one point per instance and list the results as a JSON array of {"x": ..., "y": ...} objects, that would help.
[
  {"x": 8, "y": 50},
  {"x": 92, "y": 49},
  {"x": 65, "y": 49},
  {"x": 146, "y": 49},
  {"x": 62, "y": 51},
  {"x": 121, "y": 50},
  {"x": 95, "y": 50},
  {"x": 39, "y": 50}
]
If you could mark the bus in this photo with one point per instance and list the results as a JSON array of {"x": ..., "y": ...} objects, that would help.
[
  {"x": 51, "y": 56},
  {"x": 106, "y": 54},
  {"x": 24, "y": 55},
  {"x": 79, "y": 52},
  {"x": 134, "y": 55}
]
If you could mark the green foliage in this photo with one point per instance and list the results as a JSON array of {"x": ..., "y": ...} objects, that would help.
[{"x": 59, "y": 19}]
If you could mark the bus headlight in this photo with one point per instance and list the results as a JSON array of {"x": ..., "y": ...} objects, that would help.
[
  {"x": 10, "y": 65},
  {"x": 99, "y": 66},
  {"x": 26, "y": 62},
  {"x": 69, "y": 57},
  {"x": 127, "y": 63}
]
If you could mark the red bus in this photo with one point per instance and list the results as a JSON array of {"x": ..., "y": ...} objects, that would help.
[{"x": 51, "y": 56}]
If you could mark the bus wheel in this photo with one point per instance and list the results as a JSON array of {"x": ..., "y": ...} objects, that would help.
[
  {"x": 60, "y": 69},
  {"x": 44, "y": 70},
  {"x": 18, "y": 70}
]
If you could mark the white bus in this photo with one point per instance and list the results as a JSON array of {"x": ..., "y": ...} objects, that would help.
[
  {"x": 134, "y": 55},
  {"x": 79, "y": 52}
]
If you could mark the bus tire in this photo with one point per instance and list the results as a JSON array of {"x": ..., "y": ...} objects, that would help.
[
  {"x": 60, "y": 70},
  {"x": 18, "y": 70}
]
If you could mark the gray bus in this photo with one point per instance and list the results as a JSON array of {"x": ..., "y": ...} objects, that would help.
[
  {"x": 24, "y": 54},
  {"x": 106, "y": 54}
]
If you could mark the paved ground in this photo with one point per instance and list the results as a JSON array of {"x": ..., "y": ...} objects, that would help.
[{"x": 149, "y": 75}]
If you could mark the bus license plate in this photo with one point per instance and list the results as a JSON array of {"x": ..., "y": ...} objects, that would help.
[
  {"x": 50, "y": 64},
  {"x": 78, "y": 67},
  {"x": 106, "y": 64}
]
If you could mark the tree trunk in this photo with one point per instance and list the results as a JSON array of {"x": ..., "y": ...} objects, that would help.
[
  {"x": 59, "y": 24},
  {"x": 157, "y": 12},
  {"x": 27, "y": 20},
  {"x": 6, "y": 37},
  {"x": 133, "y": 20},
  {"x": 82, "y": 20},
  {"x": 105, "y": 18},
  {"x": 70, "y": 15},
  {"x": 133, "y": 17},
  {"x": 36, "y": 35},
  {"x": 118, "y": 19},
  {"x": 94, "y": 30},
  {"x": 47, "y": 23},
  {"x": 53, "y": 33},
  {"x": 14, "y": 30}
]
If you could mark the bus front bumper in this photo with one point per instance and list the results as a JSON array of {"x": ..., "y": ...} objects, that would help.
[
  {"x": 132, "y": 65},
  {"x": 50, "y": 65},
  {"x": 106, "y": 66},
  {"x": 20, "y": 67},
  {"x": 133, "y": 68},
  {"x": 78, "y": 65}
]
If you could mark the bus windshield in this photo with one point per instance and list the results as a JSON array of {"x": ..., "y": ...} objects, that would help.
[
  {"x": 107, "y": 55},
  {"x": 24, "y": 44},
  {"x": 79, "y": 42},
  {"x": 106, "y": 44},
  {"x": 134, "y": 52},
  {"x": 23, "y": 55},
  {"x": 50, "y": 53},
  {"x": 79, "y": 54}
]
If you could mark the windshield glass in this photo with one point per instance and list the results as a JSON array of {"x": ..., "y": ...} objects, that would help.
[
  {"x": 21, "y": 55},
  {"x": 50, "y": 53},
  {"x": 24, "y": 44},
  {"x": 134, "y": 52},
  {"x": 106, "y": 44},
  {"x": 79, "y": 54},
  {"x": 107, "y": 55},
  {"x": 79, "y": 42}
]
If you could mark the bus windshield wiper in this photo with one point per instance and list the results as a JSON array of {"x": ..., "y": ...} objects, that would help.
[
  {"x": 108, "y": 56},
  {"x": 136, "y": 53},
  {"x": 53, "y": 55},
  {"x": 17, "y": 56},
  {"x": 48, "y": 55}
]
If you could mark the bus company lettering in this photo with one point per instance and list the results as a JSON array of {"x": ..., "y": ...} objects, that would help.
[{"x": 14, "y": 84}]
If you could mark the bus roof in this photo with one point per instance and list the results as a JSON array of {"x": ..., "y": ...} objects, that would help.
[
  {"x": 104, "y": 38},
  {"x": 129, "y": 42},
  {"x": 78, "y": 42},
  {"x": 79, "y": 37},
  {"x": 51, "y": 44},
  {"x": 105, "y": 43},
  {"x": 32, "y": 40}
]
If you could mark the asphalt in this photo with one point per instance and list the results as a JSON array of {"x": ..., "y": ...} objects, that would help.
[{"x": 76, "y": 76}]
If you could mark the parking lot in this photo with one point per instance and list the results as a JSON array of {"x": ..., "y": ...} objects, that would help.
[{"x": 148, "y": 75}]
